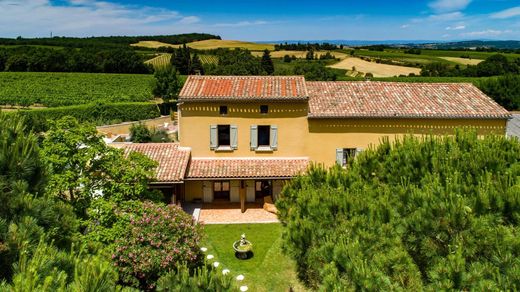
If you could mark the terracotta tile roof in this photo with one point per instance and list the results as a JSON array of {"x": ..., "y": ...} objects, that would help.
[
  {"x": 173, "y": 159},
  {"x": 244, "y": 88},
  {"x": 400, "y": 99},
  {"x": 229, "y": 168}
]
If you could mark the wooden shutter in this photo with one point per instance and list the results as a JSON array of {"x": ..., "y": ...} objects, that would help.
[
  {"x": 233, "y": 136},
  {"x": 274, "y": 137},
  {"x": 254, "y": 137},
  {"x": 213, "y": 143},
  {"x": 339, "y": 156}
]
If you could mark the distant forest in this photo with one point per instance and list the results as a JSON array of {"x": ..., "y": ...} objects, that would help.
[{"x": 110, "y": 41}]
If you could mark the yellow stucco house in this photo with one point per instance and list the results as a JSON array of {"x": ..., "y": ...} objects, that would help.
[{"x": 242, "y": 137}]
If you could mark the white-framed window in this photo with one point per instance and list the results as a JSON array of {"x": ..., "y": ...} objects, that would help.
[
  {"x": 264, "y": 137},
  {"x": 344, "y": 154},
  {"x": 223, "y": 137}
]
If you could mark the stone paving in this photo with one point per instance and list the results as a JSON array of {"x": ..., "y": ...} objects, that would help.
[{"x": 229, "y": 213}]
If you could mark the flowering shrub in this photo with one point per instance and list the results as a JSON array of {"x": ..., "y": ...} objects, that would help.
[{"x": 160, "y": 239}]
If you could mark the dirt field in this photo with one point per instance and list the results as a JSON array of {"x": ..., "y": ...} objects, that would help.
[
  {"x": 300, "y": 54},
  {"x": 378, "y": 70},
  {"x": 462, "y": 61},
  {"x": 209, "y": 44}
]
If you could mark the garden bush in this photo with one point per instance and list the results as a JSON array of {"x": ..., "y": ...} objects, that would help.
[
  {"x": 204, "y": 278},
  {"x": 160, "y": 239},
  {"x": 417, "y": 214}
]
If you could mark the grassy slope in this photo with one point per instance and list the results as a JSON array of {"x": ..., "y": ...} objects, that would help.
[
  {"x": 60, "y": 89},
  {"x": 268, "y": 269}
]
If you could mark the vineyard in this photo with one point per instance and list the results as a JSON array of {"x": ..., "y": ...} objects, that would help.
[
  {"x": 164, "y": 59},
  {"x": 63, "y": 89}
]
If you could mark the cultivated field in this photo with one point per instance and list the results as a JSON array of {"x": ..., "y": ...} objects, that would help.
[
  {"x": 462, "y": 61},
  {"x": 209, "y": 44},
  {"x": 63, "y": 89},
  {"x": 164, "y": 59},
  {"x": 378, "y": 70},
  {"x": 160, "y": 61},
  {"x": 300, "y": 54}
]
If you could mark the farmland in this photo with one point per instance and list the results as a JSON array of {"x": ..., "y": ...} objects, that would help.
[
  {"x": 63, "y": 89},
  {"x": 163, "y": 60},
  {"x": 209, "y": 44},
  {"x": 301, "y": 54},
  {"x": 378, "y": 70}
]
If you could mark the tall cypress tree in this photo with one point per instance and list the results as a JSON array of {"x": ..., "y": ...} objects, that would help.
[
  {"x": 267, "y": 63},
  {"x": 181, "y": 59},
  {"x": 196, "y": 65}
]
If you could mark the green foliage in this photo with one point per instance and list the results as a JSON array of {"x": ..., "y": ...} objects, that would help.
[
  {"x": 267, "y": 63},
  {"x": 49, "y": 269},
  {"x": 82, "y": 166},
  {"x": 315, "y": 71},
  {"x": 93, "y": 60},
  {"x": 504, "y": 90},
  {"x": 166, "y": 84},
  {"x": 287, "y": 59},
  {"x": 140, "y": 133},
  {"x": 431, "y": 213},
  {"x": 181, "y": 60},
  {"x": 204, "y": 278},
  {"x": 64, "y": 89},
  {"x": 99, "y": 113},
  {"x": 236, "y": 62},
  {"x": 196, "y": 64},
  {"x": 26, "y": 213},
  {"x": 160, "y": 239}
]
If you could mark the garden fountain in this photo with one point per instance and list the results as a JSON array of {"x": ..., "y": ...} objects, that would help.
[{"x": 243, "y": 248}]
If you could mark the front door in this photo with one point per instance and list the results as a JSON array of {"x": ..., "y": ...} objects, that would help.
[{"x": 221, "y": 190}]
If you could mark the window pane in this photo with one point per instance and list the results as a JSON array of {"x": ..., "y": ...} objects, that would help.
[
  {"x": 225, "y": 186},
  {"x": 264, "y": 135},
  {"x": 223, "y": 109},
  {"x": 264, "y": 109},
  {"x": 217, "y": 186},
  {"x": 223, "y": 135}
]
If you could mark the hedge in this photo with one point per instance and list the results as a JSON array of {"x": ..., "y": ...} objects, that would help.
[{"x": 98, "y": 113}]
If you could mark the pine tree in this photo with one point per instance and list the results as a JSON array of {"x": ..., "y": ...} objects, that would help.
[
  {"x": 181, "y": 60},
  {"x": 267, "y": 63}
]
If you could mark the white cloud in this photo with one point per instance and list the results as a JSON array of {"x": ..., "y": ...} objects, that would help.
[
  {"x": 442, "y": 6},
  {"x": 242, "y": 23},
  {"x": 452, "y": 16},
  {"x": 405, "y": 26},
  {"x": 487, "y": 32},
  {"x": 508, "y": 13},
  {"x": 31, "y": 18},
  {"x": 458, "y": 27}
]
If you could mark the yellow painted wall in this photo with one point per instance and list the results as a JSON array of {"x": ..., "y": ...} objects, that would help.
[
  {"x": 193, "y": 190},
  {"x": 196, "y": 118},
  {"x": 298, "y": 136},
  {"x": 326, "y": 135}
]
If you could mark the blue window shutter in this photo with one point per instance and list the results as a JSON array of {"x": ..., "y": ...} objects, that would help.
[
  {"x": 254, "y": 137},
  {"x": 274, "y": 137},
  {"x": 339, "y": 156},
  {"x": 234, "y": 137},
  {"x": 213, "y": 143}
]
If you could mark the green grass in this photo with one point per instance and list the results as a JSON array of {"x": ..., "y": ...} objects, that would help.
[
  {"x": 268, "y": 269},
  {"x": 64, "y": 89}
]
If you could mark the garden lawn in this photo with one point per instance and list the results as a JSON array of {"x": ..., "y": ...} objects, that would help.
[{"x": 267, "y": 270}]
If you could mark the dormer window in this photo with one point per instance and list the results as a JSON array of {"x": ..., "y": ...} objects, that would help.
[
  {"x": 223, "y": 110},
  {"x": 264, "y": 109}
]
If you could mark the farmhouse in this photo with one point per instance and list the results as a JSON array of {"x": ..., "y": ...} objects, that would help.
[{"x": 242, "y": 138}]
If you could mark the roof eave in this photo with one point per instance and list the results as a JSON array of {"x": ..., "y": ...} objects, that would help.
[{"x": 454, "y": 117}]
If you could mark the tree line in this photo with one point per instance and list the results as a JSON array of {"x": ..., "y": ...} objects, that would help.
[
  {"x": 494, "y": 65},
  {"x": 36, "y": 59},
  {"x": 110, "y": 41},
  {"x": 306, "y": 47}
]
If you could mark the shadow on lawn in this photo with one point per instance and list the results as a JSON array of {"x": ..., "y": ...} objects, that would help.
[{"x": 244, "y": 256}]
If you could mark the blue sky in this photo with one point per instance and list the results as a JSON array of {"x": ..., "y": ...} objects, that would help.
[{"x": 266, "y": 19}]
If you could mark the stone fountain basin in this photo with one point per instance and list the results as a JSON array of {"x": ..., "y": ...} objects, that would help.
[{"x": 242, "y": 250}]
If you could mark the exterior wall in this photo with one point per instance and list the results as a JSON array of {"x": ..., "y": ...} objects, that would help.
[
  {"x": 326, "y": 135},
  {"x": 290, "y": 118},
  {"x": 298, "y": 136}
]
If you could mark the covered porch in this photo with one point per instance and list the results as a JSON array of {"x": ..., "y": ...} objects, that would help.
[{"x": 220, "y": 212}]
